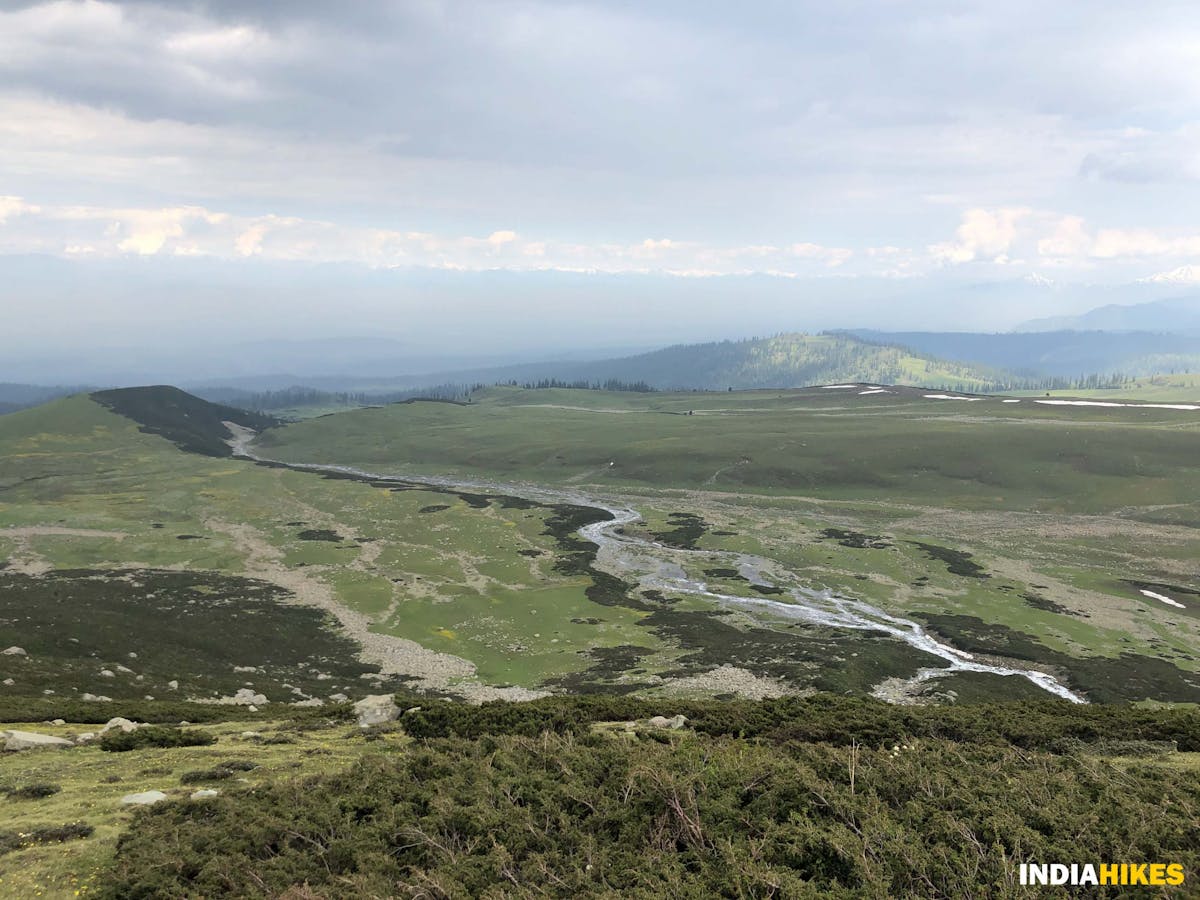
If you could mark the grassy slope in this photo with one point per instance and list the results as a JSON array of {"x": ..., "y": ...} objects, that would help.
[
  {"x": 786, "y": 360},
  {"x": 1062, "y": 507},
  {"x": 822, "y": 443},
  {"x": 453, "y": 579}
]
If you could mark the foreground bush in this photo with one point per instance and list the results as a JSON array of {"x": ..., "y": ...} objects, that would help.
[
  {"x": 693, "y": 817},
  {"x": 824, "y": 718},
  {"x": 163, "y": 712}
]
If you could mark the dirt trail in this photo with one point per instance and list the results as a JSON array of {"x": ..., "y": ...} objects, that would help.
[{"x": 394, "y": 655}]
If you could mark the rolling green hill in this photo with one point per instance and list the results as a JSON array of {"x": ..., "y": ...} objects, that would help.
[{"x": 782, "y": 361}]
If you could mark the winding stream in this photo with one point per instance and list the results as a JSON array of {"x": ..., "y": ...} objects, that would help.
[{"x": 652, "y": 565}]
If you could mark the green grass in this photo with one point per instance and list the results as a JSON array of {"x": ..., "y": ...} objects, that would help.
[
  {"x": 1067, "y": 505},
  {"x": 1071, "y": 507},
  {"x": 831, "y": 444},
  {"x": 93, "y": 782}
]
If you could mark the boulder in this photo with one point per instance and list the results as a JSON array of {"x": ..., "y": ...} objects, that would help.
[
  {"x": 247, "y": 697},
  {"x": 86, "y": 737},
  {"x": 145, "y": 798},
  {"x": 58, "y": 722},
  {"x": 678, "y": 722},
  {"x": 660, "y": 722},
  {"x": 9, "y": 682},
  {"x": 338, "y": 698},
  {"x": 173, "y": 684},
  {"x": 98, "y": 698},
  {"x": 14, "y": 651},
  {"x": 107, "y": 673},
  {"x": 204, "y": 793},
  {"x": 31, "y": 740},
  {"x": 119, "y": 722},
  {"x": 376, "y": 709}
]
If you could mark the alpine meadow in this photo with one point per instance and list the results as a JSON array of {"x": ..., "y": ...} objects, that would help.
[{"x": 518, "y": 449}]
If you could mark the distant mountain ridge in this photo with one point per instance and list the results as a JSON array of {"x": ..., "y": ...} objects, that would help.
[
  {"x": 1066, "y": 354},
  {"x": 1175, "y": 315},
  {"x": 780, "y": 361}
]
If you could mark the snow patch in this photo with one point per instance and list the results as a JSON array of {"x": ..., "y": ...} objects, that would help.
[
  {"x": 950, "y": 397},
  {"x": 1113, "y": 403},
  {"x": 874, "y": 391},
  {"x": 834, "y": 387},
  {"x": 1164, "y": 599}
]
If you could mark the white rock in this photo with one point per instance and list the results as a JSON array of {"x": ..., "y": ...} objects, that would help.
[
  {"x": 311, "y": 701},
  {"x": 145, "y": 798},
  {"x": 9, "y": 682},
  {"x": 58, "y": 722},
  {"x": 250, "y": 735},
  {"x": 127, "y": 671},
  {"x": 252, "y": 708},
  {"x": 133, "y": 656},
  {"x": 660, "y": 722},
  {"x": 247, "y": 697},
  {"x": 14, "y": 651},
  {"x": 173, "y": 685},
  {"x": 679, "y": 721},
  {"x": 204, "y": 793},
  {"x": 338, "y": 698},
  {"x": 107, "y": 673},
  {"x": 121, "y": 723},
  {"x": 376, "y": 709},
  {"x": 31, "y": 740},
  {"x": 85, "y": 737},
  {"x": 99, "y": 698}
]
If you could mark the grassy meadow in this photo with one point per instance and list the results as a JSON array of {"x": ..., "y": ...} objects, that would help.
[{"x": 162, "y": 580}]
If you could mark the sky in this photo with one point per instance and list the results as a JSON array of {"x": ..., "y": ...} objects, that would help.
[{"x": 173, "y": 171}]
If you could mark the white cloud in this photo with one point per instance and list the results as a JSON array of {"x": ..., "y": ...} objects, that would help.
[
  {"x": 14, "y": 206},
  {"x": 1069, "y": 239},
  {"x": 984, "y": 233},
  {"x": 198, "y": 231},
  {"x": 1117, "y": 243}
]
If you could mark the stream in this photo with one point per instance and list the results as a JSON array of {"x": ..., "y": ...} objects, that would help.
[{"x": 652, "y": 565}]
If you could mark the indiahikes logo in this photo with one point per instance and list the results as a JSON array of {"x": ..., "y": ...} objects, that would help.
[{"x": 1149, "y": 874}]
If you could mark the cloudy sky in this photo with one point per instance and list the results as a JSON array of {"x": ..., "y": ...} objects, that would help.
[{"x": 851, "y": 156}]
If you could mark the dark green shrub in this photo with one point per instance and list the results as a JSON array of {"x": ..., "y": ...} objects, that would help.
[
  {"x": 33, "y": 791},
  {"x": 154, "y": 736},
  {"x": 19, "y": 840},
  {"x": 701, "y": 817}
]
